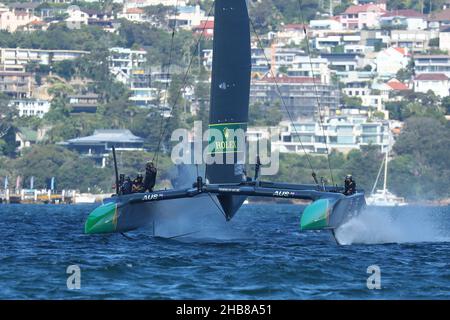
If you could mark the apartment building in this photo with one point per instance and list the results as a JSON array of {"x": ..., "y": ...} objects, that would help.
[
  {"x": 302, "y": 96},
  {"x": 341, "y": 133},
  {"x": 432, "y": 64},
  {"x": 362, "y": 16},
  {"x": 31, "y": 107},
  {"x": 23, "y": 56},
  {"x": 17, "y": 85},
  {"x": 416, "y": 41}
]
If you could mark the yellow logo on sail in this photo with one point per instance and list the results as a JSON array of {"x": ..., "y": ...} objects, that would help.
[{"x": 228, "y": 143}]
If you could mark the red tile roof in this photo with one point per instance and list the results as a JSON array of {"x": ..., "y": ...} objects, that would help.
[
  {"x": 205, "y": 25},
  {"x": 431, "y": 77},
  {"x": 363, "y": 8},
  {"x": 294, "y": 26},
  {"x": 135, "y": 10},
  {"x": 403, "y": 51},
  {"x": 443, "y": 15},
  {"x": 408, "y": 13},
  {"x": 397, "y": 85}
]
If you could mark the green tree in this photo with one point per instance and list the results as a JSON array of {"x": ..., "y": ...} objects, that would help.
[
  {"x": 351, "y": 102},
  {"x": 446, "y": 104},
  {"x": 421, "y": 169},
  {"x": 159, "y": 13}
]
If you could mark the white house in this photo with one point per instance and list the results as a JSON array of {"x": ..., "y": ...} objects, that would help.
[
  {"x": 132, "y": 14},
  {"x": 12, "y": 20},
  {"x": 325, "y": 24},
  {"x": 437, "y": 82},
  {"x": 31, "y": 107},
  {"x": 76, "y": 18},
  {"x": 444, "y": 40},
  {"x": 363, "y": 16},
  {"x": 188, "y": 17},
  {"x": 291, "y": 34},
  {"x": 408, "y": 19},
  {"x": 123, "y": 60},
  {"x": 304, "y": 66},
  {"x": 390, "y": 60}
]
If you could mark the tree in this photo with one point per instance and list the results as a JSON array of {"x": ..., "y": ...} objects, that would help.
[
  {"x": 159, "y": 14},
  {"x": 422, "y": 169},
  {"x": 446, "y": 104},
  {"x": 70, "y": 171},
  {"x": 291, "y": 10},
  {"x": 8, "y": 113},
  {"x": 344, "y": 4},
  {"x": 202, "y": 92},
  {"x": 65, "y": 69},
  {"x": 364, "y": 165},
  {"x": 406, "y": 74},
  {"x": 351, "y": 102},
  {"x": 415, "y": 104},
  {"x": 434, "y": 42},
  {"x": 264, "y": 16},
  {"x": 264, "y": 115}
]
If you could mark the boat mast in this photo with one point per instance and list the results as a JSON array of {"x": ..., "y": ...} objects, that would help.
[{"x": 386, "y": 165}]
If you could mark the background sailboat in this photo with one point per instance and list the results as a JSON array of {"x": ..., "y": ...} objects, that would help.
[{"x": 382, "y": 197}]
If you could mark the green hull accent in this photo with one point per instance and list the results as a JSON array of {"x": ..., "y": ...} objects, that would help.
[
  {"x": 102, "y": 220},
  {"x": 316, "y": 215}
]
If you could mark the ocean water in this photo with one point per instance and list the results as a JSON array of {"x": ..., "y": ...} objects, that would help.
[{"x": 260, "y": 254}]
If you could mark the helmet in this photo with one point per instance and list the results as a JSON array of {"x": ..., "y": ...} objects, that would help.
[
  {"x": 349, "y": 177},
  {"x": 139, "y": 176}
]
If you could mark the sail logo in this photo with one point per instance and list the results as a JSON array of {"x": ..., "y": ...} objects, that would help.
[
  {"x": 227, "y": 143},
  {"x": 226, "y": 133}
]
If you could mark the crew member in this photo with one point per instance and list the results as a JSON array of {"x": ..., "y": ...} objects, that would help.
[
  {"x": 138, "y": 184},
  {"x": 350, "y": 185},
  {"x": 150, "y": 176},
  {"x": 126, "y": 187},
  {"x": 121, "y": 182}
]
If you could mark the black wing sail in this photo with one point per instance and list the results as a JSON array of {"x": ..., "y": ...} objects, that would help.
[{"x": 230, "y": 89}]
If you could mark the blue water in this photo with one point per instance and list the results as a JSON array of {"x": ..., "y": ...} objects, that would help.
[{"x": 260, "y": 254}]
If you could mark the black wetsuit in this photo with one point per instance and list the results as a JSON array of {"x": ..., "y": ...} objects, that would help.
[
  {"x": 150, "y": 179},
  {"x": 126, "y": 187},
  {"x": 350, "y": 187}
]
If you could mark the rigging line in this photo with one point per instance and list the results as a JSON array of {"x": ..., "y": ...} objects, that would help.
[
  {"x": 168, "y": 71},
  {"x": 283, "y": 102},
  {"x": 378, "y": 177},
  {"x": 184, "y": 81},
  {"x": 315, "y": 89}
]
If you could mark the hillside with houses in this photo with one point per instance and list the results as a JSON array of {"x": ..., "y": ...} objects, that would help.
[{"x": 357, "y": 78}]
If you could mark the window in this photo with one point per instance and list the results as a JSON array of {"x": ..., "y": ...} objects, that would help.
[{"x": 345, "y": 140}]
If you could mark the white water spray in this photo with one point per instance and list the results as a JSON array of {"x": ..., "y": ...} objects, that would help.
[{"x": 396, "y": 225}]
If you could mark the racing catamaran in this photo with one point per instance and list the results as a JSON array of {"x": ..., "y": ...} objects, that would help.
[{"x": 224, "y": 187}]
